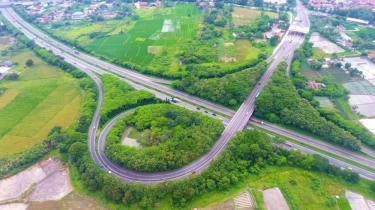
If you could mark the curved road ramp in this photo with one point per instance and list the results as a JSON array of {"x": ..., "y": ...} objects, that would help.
[{"x": 274, "y": 199}]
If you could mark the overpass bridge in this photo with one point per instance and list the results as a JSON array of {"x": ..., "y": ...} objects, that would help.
[
  {"x": 298, "y": 30},
  {"x": 5, "y": 4}
]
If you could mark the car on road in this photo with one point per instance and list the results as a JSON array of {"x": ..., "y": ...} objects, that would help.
[
  {"x": 213, "y": 114},
  {"x": 193, "y": 172},
  {"x": 109, "y": 172},
  {"x": 198, "y": 108},
  {"x": 75, "y": 63},
  {"x": 205, "y": 111},
  {"x": 94, "y": 127},
  {"x": 100, "y": 165}
]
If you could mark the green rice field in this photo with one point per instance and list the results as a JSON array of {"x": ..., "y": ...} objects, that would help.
[
  {"x": 361, "y": 88},
  {"x": 335, "y": 74},
  {"x": 41, "y": 99},
  {"x": 157, "y": 27}
]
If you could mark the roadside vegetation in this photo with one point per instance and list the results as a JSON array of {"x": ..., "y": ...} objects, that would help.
[
  {"x": 230, "y": 90},
  {"x": 120, "y": 96},
  {"x": 333, "y": 90},
  {"x": 249, "y": 154},
  {"x": 280, "y": 102},
  {"x": 171, "y": 137}
]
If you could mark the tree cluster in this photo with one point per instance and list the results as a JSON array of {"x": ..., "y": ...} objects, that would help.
[
  {"x": 247, "y": 153},
  {"x": 280, "y": 102},
  {"x": 120, "y": 96},
  {"x": 171, "y": 138},
  {"x": 230, "y": 90}
]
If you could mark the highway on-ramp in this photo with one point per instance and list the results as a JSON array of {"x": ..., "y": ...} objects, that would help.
[{"x": 237, "y": 123}]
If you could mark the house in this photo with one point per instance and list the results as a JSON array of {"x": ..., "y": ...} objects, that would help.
[
  {"x": 109, "y": 3},
  {"x": 315, "y": 85},
  {"x": 108, "y": 14},
  {"x": 143, "y": 4},
  {"x": 341, "y": 27},
  {"x": 201, "y": 4},
  {"x": 6, "y": 64},
  {"x": 371, "y": 56},
  {"x": 78, "y": 16}
]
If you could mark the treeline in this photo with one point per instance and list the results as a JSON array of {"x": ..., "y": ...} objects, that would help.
[
  {"x": 171, "y": 138},
  {"x": 13, "y": 163},
  {"x": 280, "y": 102},
  {"x": 247, "y": 153},
  {"x": 89, "y": 104},
  {"x": 120, "y": 96},
  {"x": 229, "y": 90}
]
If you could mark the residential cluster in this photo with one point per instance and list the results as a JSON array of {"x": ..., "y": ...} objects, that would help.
[
  {"x": 328, "y": 5},
  {"x": 5, "y": 66},
  {"x": 53, "y": 11}
]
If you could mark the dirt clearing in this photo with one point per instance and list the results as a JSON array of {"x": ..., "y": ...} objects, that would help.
[
  {"x": 274, "y": 199},
  {"x": 324, "y": 44}
]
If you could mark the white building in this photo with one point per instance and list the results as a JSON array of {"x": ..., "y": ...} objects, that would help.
[
  {"x": 355, "y": 20},
  {"x": 345, "y": 37},
  {"x": 275, "y": 1}
]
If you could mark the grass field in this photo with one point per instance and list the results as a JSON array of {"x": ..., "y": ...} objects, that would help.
[
  {"x": 41, "y": 99},
  {"x": 348, "y": 26},
  {"x": 156, "y": 27},
  {"x": 245, "y": 51},
  {"x": 343, "y": 203},
  {"x": 134, "y": 133},
  {"x": 307, "y": 71},
  {"x": 345, "y": 110},
  {"x": 357, "y": 88},
  {"x": 365, "y": 30},
  {"x": 335, "y": 74},
  {"x": 243, "y": 16}
]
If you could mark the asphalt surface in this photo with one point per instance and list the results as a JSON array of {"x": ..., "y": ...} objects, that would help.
[{"x": 238, "y": 122}]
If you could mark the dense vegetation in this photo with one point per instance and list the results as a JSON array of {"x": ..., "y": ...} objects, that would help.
[
  {"x": 120, "y": 96},
  {"x": 229, "y": 90},
  {"x": 331, "y": 90},
  {"x": 171, "y": 136},
  {"x": 247, "y": 153},
  {"x": 280, "y": 102}
]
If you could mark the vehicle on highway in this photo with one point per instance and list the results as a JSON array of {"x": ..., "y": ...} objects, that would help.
[
  {"x": 213, "y": 114},
  {"x": 109, "y": 172},
  {"x": 259, "y": 83},
  {"x": 75, "y": 63},
  {"x": 257, "y": 95},
  {"x": 94, "y": 127},
  {"x": 100, "y": 165},
  {"x": 198, "y": 108},
  {"x": 193, "y": 172},
  {"x": 205, "y": 111},
  {"x": 247, "y": 113},
  {"x": 76, "y": 52},
  {"x": 174, "y": 100}
]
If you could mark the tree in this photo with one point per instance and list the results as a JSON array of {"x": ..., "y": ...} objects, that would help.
[
  {"x": 274, "y": 40},
  {"x": 12, "y": 76},
  {"x": 316, "y": 65},
  {"x": 338, "y": 64},
  {"x": 258, "y": 3},
  {"x": 29, "y": 62},
  {"x": 348, "y": 65}
]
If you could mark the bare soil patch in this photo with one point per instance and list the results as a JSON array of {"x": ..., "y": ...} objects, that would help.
[
  {"x": 125, "y": 140},
  {"x": 226, "y": 44},
  {"x": 274, "y": 199},
  {"x": 228, "y": 59},
  {"x": 77, "y": 201},
  {"x": 226, "y": 205},
  {"x": 14, "y": 206},
  {"x": 55, "y": 187}
]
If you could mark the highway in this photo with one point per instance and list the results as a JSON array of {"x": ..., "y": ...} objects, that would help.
[{"x": 238, "y": 122}]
